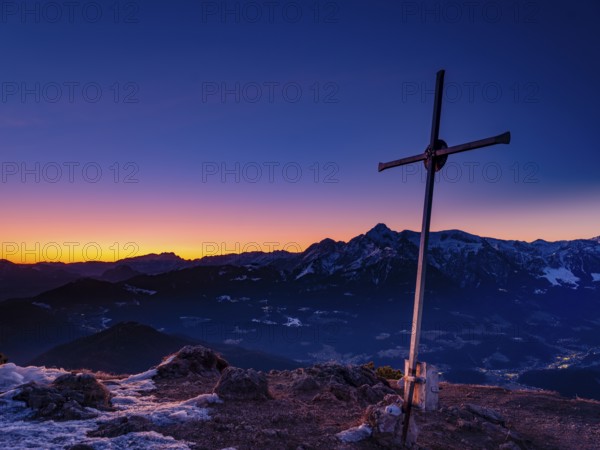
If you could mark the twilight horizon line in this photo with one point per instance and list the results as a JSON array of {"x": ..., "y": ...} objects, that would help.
[{"x": 222, "y": 248}]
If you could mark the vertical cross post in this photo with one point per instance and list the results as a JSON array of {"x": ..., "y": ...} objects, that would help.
[
  {"x": 435, "y": 157},
  {"x": 430, "y": 164}
]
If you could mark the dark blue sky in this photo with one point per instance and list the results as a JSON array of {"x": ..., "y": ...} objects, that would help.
[{"x": 313, "y": 102}]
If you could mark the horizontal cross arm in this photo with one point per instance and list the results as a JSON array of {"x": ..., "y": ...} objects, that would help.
[
  {"x": 503, "y": 138},
  {"x": 401, "y": 162}
]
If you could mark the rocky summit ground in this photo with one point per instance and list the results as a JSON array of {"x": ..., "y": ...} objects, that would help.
[
  {"x": 328, "y": 406},
  {"x": 470, "y": 417}
]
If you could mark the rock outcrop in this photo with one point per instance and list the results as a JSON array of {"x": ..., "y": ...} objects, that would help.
[
  {"x": 192, "y": 360},
  {"x": 69, "y": 397},
  {"x": 242, "y": 384},
  {"x": 337, "y": 382},
  {"x": 121, "y": 426}
]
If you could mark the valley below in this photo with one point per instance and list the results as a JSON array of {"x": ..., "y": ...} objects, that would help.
[{"x": 502, "y": 313}]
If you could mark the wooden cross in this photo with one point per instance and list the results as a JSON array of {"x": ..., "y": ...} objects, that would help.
[{"x": 435, "y": 157}]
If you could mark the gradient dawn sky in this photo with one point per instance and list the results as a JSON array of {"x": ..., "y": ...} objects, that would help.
[{"x": 210, "y": 127}]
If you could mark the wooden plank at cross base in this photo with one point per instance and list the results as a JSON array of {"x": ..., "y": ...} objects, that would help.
[{"x": 426, "y": 394}]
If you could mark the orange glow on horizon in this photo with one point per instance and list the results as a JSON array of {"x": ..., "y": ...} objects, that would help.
[
  {"x": 54, "y": 249},
  {"x": 76, "y": 232}
]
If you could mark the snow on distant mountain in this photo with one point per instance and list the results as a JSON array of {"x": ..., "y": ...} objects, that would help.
[
  {"x": 467, "y": 259},
  {"x": 559, "y": 276}
]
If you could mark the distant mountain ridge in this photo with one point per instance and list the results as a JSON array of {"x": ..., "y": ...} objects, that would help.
[
  {"x": 467, "y": 259},
  {"x": 131, "y": 347}
]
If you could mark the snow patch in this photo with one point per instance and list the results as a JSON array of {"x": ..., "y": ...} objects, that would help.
[
  {"x": 12, "y": 375},
  {"x": 595, "y": 277},
  {"x": 355, "y": 434},
  {"x": 559, "y": 276},
  {"x": 41, "y": 305},
  {"x": 137, "y": 290},
  {"x": 203, "y": 399},
  {"x": 293, "y": 322},
  {"x": 383, "y": 336},
  {"x": 18, "y": 431},
  {"x": 393, "y": 410},
  {"x": 264, "y": 321},
  {"x": 306, "y": 271}
]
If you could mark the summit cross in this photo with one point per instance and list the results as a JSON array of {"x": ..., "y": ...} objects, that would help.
[{"x": 434, "y": 157}]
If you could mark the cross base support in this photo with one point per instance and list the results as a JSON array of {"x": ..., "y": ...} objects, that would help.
[{"x": 426, "y": 392}]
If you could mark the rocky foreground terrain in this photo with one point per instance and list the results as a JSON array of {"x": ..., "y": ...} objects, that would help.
[{"x": 196, "y": 400}]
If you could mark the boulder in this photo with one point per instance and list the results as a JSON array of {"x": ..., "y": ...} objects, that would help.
[
  {"x": 192, "y": 360},
  {"x": 242, "y": 384},
  {"x": 121, "y": 426},
  {"x": 342, "y": 392},
  {"x": 69, "y": 397},
  {"x": 325, "y": 397},
  {"x": 304, "y": 383},
  {"x": 345, "y": 383},
  {"x": 374, "y": 394},
  {"x": 354, "y": 376},
  {"x": 85, "y": 389},
  {"x": 386, "y": 421}
]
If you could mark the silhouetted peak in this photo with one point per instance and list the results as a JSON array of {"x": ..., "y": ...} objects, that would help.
[
  {"x": 166, "y": 256},
  {"x": 381, "y": 234},
  {"x": 457, "y": 235},
  {"x": 130, "y": 328}
]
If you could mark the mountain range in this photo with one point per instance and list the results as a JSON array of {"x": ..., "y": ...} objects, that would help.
[
  {"x": 466, "y": 259},
  {"x": 495, "y": 310}
]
